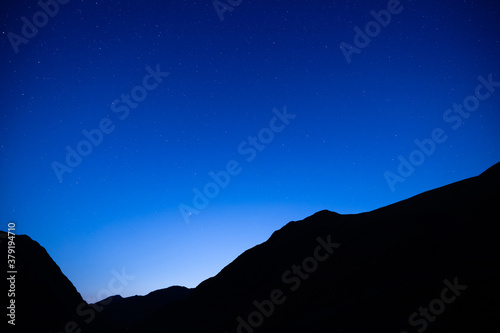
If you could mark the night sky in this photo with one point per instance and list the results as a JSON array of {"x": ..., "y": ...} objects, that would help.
[{"x": 164, "y": 138}]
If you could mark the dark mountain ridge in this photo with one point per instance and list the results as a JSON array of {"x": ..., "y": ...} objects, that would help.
[
  {"x": 395, "y": 257},
  {"x": 427, "y": 263},
  {"x": 45, "y": 299},
  {"x": 120, "y": 313}
]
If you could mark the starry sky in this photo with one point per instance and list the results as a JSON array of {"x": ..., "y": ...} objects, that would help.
[{"x": 164, "y": 138}]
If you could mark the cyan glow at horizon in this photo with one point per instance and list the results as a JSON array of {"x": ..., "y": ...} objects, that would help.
[{"x": 208, "y": 135}]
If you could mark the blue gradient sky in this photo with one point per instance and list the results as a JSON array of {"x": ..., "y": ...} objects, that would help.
[{"x": 119, "y": 208}]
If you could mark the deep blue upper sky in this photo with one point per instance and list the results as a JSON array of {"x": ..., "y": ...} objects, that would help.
[{"x": 123, "y": 206}]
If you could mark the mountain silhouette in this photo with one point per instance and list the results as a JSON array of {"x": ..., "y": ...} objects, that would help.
[
  {"x": 121, "y": 313},
  {"x": 45, "y": 300},
  {"x": 428, "y": 263}
]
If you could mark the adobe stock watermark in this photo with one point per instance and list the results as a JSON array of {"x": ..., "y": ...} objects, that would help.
[
  {"x": 222, "y": 7},
  {"x": 11, "y": 272},
  {"x": 39, "y": 20},
  {"x": 95, "y": 136},
  {"x": 249, "y": 148},
  {"x": 293, "y": 279},
  {"x": 88, "y": 311},
  {"x": 427, "y": 147},
  {"x": 372, "y": 29},
  {"x": 425, "y": 315}
]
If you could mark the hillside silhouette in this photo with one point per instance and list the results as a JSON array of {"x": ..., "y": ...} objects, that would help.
[{"x": 428, "y": 263}]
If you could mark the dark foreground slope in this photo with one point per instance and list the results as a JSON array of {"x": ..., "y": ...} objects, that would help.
[
  {"x": 438, "y": 249},
  {"x": 45, "y": 300}
]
